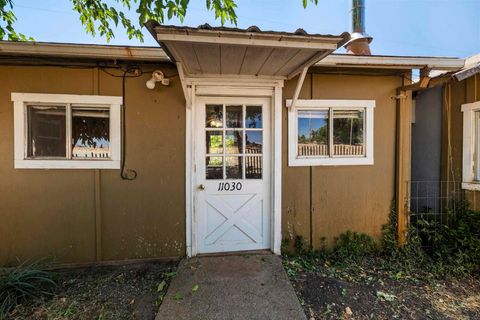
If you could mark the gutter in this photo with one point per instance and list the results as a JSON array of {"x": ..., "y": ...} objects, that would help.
[
  {"x": 67, "y": 50},
  {"x": 467, "y": 72},
  {"x": 156, "y": 54},
  {"x": 392, "y": 62}
]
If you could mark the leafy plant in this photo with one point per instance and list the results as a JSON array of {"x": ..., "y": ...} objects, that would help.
[
  {"x": 27, "y": 281},
  {"x": 97, "y": 16},
  {"x": 7, "y": 20},
  {"x": 434, "y": 248},
  {"x": 454, "y": 246},
  {"x": 353, "y": 246}
]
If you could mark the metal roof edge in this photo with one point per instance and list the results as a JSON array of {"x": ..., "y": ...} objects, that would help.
[
  {"x": 300, "y": 34},
  {"x": 471, "y": 68},
  {"x": 392, "y": 62},
  {"x": 251, "y": 36},
  {"x": 86, "y": 51},
  {"x": 144, "y": 53}
]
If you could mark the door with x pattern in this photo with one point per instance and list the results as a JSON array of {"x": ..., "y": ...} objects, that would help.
[{"x": 232, "y": 170}]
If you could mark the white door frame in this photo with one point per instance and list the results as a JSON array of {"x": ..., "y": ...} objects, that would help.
[{"x": 238, "y": 87}]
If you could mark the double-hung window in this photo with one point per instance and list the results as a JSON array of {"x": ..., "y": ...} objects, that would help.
[
  {"x": 471, "y": 146},
  {"x": 57, "y": 131},
  {"x": 330, "y": 132}
]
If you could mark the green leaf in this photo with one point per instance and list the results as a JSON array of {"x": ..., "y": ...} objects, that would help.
[
  {"x": 177, "y": 296},
  {"x": 161, "y": 286},
  {"x": 99, "y": 18},
  {"x": 195, "y": 288}
]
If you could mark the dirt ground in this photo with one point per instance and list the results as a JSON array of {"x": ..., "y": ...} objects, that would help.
[
  {"x": 126, "y": 292},
  {"x": 372, "y": 294}
]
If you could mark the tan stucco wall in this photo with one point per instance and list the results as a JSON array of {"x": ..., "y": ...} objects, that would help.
[
  {"x": 342, "y": 198},
  {"x": 52, "y": 212}
]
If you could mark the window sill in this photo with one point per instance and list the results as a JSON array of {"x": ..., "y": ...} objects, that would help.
[
  {"x": 299, "y": 162},
  {"x": 474, "y": 186},
  {"x": 67, "y": 164}
]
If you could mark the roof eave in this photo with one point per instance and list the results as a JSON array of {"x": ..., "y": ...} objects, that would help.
[
  {"x": 391, "y": 62},
  {"x": 251, "y": 39},
  {"x": 64, "y": 50}
]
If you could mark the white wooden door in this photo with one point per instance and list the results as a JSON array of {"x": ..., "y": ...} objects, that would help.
[{"x": 232, "y": 169}]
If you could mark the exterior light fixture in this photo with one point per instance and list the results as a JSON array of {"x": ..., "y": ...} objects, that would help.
[{"x": 157, "y": 76}]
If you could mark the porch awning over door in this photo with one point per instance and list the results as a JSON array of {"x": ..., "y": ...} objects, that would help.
[{"x": 230, "y": 51}]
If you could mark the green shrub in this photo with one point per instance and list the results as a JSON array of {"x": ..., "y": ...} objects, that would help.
[
  {"x": 301, "y": 246},
  {"x": 353, "y": 246},
  {"x": 454, "y": 247},
  {"x": 389, "y": 241},
  {"x": 441, "y": 246},
  {"x": 27, "y": 281},
  {"x": 434, "y": 247}
]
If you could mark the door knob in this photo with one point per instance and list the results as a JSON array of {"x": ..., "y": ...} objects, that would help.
[{"x": 201, "y": 187}]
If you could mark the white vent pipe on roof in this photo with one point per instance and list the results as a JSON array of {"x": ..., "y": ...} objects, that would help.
[{"x": 359, "y": 43}]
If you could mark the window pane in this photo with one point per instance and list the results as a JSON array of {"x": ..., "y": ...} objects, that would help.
[
  {"x": 253, "y": 167},
  {"x": 90, "y": 133},
  {"x": 46, "y": 131},
  {"x": 214, "y": 168},
  {"x": 313, "y": 133},
  {"x": 234, "y": 116},
  {"x": 348, "y": 137},
  {"x": 254, "y": 141},
  {"x": 253, "y": 117},
  {"x": 233, "y": 167},
  {"x": 214, "y": 141},
  {"x": 233, "y": 141},
  {"x": 214, "y": 116}
]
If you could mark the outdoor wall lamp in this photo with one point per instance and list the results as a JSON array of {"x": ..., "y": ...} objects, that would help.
[{"x": 157, "y": 76}]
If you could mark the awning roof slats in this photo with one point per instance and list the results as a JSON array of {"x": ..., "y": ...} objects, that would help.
[{"x": 229, "y": 51}]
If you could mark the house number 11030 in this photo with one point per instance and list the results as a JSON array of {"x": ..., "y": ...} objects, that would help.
[{"x": 229, "y": 186}]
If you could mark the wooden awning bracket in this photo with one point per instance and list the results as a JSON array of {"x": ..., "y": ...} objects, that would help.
[
  {"x": 181, "y": 75},
  {"x": 298, "y": 88}
]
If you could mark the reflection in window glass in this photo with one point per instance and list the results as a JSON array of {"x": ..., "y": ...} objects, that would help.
[
  {"x": 214, "y": 168},
  {"x": 233, "y": 142},
  {"x": 313, "y": 133},
  {"x": 46, "y": 131},
  {"x": 90, "y": 133},
  {"x": 348, "y": 137},
  {"x": 234, "y": 116},
  {"x": 253, "y": 117},
  {"x": 233, "y": 167},
  {"x": 476, "y": 150},
  {"x": 253, "y": 167},
  {"x": 214, "y": 116},
  {"x": 214, "y": 142},
  {"x": 253, "y": 141}
]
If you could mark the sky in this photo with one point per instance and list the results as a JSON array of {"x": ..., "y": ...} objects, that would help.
[{"x": 398, "y": 27}]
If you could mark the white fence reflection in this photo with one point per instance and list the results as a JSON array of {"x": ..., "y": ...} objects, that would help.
[
  {"x": 90, "y": 153},
  {"x": 323, "y": 150}
]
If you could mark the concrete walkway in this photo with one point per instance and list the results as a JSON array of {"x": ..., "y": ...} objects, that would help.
[{"x": 231, "y": 287}]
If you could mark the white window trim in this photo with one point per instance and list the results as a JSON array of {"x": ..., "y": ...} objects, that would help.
[
  {"x": 310, "y": 104},
  {"x": 468, "y": 173},
  {"x": 20, "y": 100}
]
